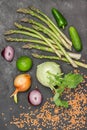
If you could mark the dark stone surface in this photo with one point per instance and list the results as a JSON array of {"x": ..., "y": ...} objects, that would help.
[{"x": 75, "y": 12}]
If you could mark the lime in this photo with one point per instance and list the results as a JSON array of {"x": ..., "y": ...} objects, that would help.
[{"x": 24, "y": 63}]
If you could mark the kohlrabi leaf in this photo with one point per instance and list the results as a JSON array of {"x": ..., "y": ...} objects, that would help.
[
  {"x": 61, "y": 103},
  {"x": 56, "y": 96},
  {"x": 72, "y": 80},
  {"x": 55, "y": 80}
]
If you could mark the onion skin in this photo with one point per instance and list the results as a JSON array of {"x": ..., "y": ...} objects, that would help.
[
  {"x": 22, "y": 83},
  {"x": 32, "y": 93},
  {"x": 8, "y": 53}
]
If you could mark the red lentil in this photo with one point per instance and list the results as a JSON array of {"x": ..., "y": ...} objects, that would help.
[{"x": 51, "y": 117}]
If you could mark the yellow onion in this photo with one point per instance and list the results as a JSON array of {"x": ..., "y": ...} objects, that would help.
[{"x": 22, "y": 83}]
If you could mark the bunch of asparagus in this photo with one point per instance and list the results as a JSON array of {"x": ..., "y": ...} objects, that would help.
[{"x": 45, "y": 36}]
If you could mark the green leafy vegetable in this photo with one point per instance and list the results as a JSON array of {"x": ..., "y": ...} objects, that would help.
[
  {"x": 72, "y": 80},
  {"x": 49, "y": 74},
  {"x": 61, "y": 103},
  {"x": 56, "y": 96},
  {"x": 69, "y": 80},
  {"x": 55, "y": 79}
]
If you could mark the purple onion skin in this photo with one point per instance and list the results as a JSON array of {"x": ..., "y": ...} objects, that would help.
[
  {"x": 8, "y": 53},
  {"x": 40, "y": 99}
]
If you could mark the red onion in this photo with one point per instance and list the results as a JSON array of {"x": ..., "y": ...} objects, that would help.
[
  {"x": 35, "y": 97},
  {"x": 8, "y": 53}
]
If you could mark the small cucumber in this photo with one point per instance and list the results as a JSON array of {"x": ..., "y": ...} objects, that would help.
[{"x": 75, "y": 38}]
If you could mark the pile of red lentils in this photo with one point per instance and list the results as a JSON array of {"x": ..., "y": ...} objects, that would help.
[{"x": 51, "y": 117}]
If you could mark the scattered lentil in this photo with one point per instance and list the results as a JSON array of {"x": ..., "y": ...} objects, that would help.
[{"x": 49, "y": 116}]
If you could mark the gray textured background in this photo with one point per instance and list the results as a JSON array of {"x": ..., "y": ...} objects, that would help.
[{"x": 75, "y": 12}]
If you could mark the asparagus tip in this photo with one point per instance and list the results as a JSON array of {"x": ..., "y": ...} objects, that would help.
[
  {"x": 23, "y": 10},
  {"x": 27, "y": 20},
  {"x": 18, "y": 25},
  {"x": 34, "y": 9},
  {"x": 8, "y": 32},
  {"x": 27, "y": 46},
  {"x": 8, "y": 38},
  {"x": 24, "y": 20},
  {"x": 20, "y": 10},
  {"x": 35, "y": 55}
]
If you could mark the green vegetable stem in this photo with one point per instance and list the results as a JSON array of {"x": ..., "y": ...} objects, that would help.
[
  {"x": 57, "y": 58},
  {"x": 60, "y": 19},
  {"x": 48, "y": 49}
]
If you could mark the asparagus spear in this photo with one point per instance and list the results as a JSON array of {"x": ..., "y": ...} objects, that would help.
[
  {"x": 36, "y": 34},
  {"x": 41, "y": 16},
  {"x": 57, "y": 58},
  {"x": 19, "y": 26},
  {"x": 39, "y": 47},
  {"x": 22, "y": 32},
  {"x": 58, "y": 44},
  {"x": 45, "y": 48},
  {"x": 41, "y": 28},
  {"x": 11, "y": 39},
  {"x": 47, "y": 31},
  {"x": 32, "y": 33},
  {"x": 39, "y": 37},
  {"x": 53, "y": 26},
  {"x": 40, "y": 41}
]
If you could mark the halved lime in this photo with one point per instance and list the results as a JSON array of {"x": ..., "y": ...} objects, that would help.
[{"x": 24, "y": 63}]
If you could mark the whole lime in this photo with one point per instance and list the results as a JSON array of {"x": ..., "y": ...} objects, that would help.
[{"x": 24, "y": 63}]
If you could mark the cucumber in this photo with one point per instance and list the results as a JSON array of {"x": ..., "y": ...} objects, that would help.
[{"x": 75, "y": 38}]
